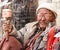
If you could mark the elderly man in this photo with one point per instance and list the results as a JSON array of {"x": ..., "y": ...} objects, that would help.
[
  {"x": 8, "y": 42},
  {"x": 35, "y": 34}
]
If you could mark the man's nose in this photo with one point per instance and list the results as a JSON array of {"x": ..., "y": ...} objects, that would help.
[{"x": 43, "y": 18}]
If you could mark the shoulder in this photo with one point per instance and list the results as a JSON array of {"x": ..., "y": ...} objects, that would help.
[
  {"x": 28, "y": 27},
  {"x": 31, "y": 24}
]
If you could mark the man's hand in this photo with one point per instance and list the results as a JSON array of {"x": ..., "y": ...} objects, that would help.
[{"x": 7, "y": 28}]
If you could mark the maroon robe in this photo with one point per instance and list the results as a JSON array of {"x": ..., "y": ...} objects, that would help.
[{"x": 11, "y": 44}]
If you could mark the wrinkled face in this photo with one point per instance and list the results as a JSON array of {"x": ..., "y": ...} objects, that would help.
[
  {"x": 44, "y": 16},
  {"x": 7, "y": 13}
]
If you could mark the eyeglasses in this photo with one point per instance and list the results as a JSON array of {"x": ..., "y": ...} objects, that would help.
[{"x": 45, "y": 15}]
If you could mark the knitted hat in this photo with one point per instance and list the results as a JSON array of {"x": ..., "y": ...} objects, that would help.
[{"x": 49, "y": 6}]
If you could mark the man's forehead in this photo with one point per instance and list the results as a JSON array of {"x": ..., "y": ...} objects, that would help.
[
  {"x": 6, "y": 10},
  {"x": 44, "y": 10}
]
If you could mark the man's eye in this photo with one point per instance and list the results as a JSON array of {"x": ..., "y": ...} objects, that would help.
[{"x": 47, "y": 14}]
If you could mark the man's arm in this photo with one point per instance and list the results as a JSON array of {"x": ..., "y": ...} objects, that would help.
[{"x": 18, "y": 34}]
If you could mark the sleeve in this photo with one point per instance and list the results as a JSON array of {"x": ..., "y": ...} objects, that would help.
[
  {"x": 18, "y": 34},
  {"x": 21, "y": 32}
]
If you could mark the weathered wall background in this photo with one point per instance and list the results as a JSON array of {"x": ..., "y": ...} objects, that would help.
[{"x": 24, "y": 11}]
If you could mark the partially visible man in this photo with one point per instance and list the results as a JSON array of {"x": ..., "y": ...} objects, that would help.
[
  {"x": 8, "y": 42},
  {"x": 35, "y": 34}
]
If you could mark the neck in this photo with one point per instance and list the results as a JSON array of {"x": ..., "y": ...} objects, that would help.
[{"x": 42, "y": 28}]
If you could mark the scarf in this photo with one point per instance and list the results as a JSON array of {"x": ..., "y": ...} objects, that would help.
[{"x": 41, "y": 42}]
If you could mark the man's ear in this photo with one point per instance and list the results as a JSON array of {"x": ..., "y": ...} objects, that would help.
[{"x": 53, "y": 19}]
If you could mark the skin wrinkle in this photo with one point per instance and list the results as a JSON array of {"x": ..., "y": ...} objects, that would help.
[{"x": 44, "y": 16}]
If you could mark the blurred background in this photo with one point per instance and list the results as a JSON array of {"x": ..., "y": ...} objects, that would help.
[{"x": 24, "y": 10}]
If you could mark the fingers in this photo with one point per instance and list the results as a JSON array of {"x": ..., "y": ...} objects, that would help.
[
  {"x": 6, "y": 36},
  {"x": 6, "y": 22},
  {"x": 7, "y": 26},
  {"x": 10, "y": 28}
]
